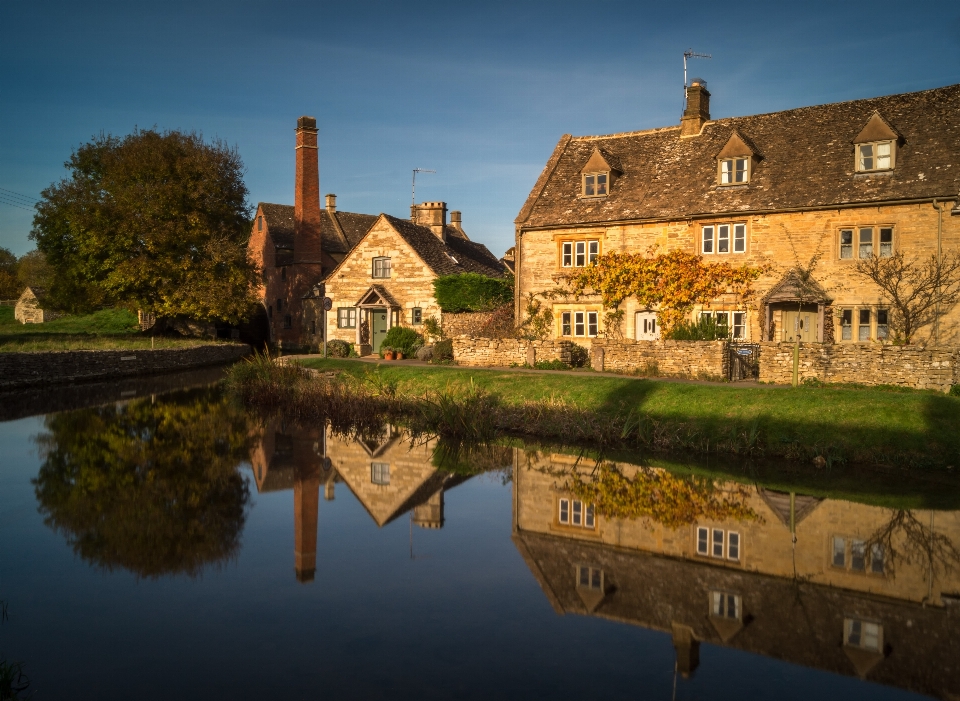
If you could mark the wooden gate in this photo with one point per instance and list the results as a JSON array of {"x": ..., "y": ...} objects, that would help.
[{"x": 744, "y": 362}]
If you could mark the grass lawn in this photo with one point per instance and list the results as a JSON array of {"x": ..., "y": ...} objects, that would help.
[
  {"x": 861, "y": 425},
  {"x": 107, "y": 329}
]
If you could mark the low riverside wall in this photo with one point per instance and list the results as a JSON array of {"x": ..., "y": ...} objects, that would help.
[
  {"x": 503, "y": 352},
  {"x": 864, "y": 363},
  {"x": 694, "y": 359},
  {"x": 53, "y": 367}
]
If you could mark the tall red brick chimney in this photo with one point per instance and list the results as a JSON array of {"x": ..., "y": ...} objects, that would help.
[{"x": 306, "y": 199}]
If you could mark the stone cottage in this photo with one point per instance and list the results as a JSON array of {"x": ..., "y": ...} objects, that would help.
[
  {"x": 31, "y": 307},
  {"x": 843, "y": 182}
]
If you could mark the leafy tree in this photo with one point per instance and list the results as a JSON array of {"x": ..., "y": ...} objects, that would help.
[
  {"x": 149, "y": 487},
  {"x": 920, "y": 290},
  {"x": 9, "y": 287},
  {"x": 33, "y": 270},
  {"x": 157, "y": 221}
]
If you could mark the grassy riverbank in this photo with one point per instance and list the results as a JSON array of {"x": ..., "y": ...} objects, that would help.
[
  {"x": 107, "y": 329},
  {"x": 829, "y": 425}
]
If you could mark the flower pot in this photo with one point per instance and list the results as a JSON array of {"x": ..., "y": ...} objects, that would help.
[
  {"x": 388, "y": 355},
  {"x": 399, "y": 355}
]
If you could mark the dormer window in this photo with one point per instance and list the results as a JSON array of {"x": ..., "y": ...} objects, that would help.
[
  {"x": 875, "y": 156},
  {"x": 876, "y": 145},
  {"x": 595, "y": 184},
  {"x": 734, "y": 171}
]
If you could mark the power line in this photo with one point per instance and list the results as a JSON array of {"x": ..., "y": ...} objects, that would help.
[
  {"x": 16, "y": 195},
  {"x": 14, "y": 204}
]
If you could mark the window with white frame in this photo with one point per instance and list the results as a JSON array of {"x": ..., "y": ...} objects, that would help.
[
  {"x": 589, "y": 578},
  {"x": 867, "y": 635},
  {"x": 724, "y": 605},
  {"x": 877, "y": 155},
  {"x": 734, "y": 171},
  {"x": 579, "y": 254},
  {"x": 579, "y": 323},
  {"x": 735, "y": 323},
  {"x": 380, "y": 472},
  {"x": 723, "y": 238},
  {"x": 381, "y": 267},
  {"x": 347, "y": 317},
  {"x": 864, "y": 324},
  {"x": 853, "y": 554},
  {"x": 573, "y": 512},
  {"x": 596, "y": 184},
  {"x": 707, "y": 239},
  {"x": 718, "y": 543},
  {"x": 866, "y": 241}
]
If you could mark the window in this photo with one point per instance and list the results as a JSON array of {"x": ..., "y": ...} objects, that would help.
[
  {"x": 718, "y": 543},
  {"x": 846, "y": 243},
  {"x": 886, "y": 242},
  {"x": 288, "y": 322},
  {"x": 380, "y": 472},
  {"x": 839, "y": 558},
  {"x": 865, "y": 240},
  {"x": 739, "y": 238},
  {"x": 875, "y": 156},
  {"x": 867, "y": 635},
  {"x": 707, "y": 239},
  {"x": 579, "y": 253},
  {"x": 584, "y": 323},
  {"x": 883, "y": 324},
  {"x": 573, "y": 512},
  {"x": 724, "y": 605},
  {"x": 734, "y": 171},
  {"x": 863, "y": 326},
  {"x": 279, "y": 305},
  {"x": 733, "y": 545},
  {"x": 259, "y": 223},
  {"x": 876, "y": 558},
  {"x": 858, "y": 556},
  {"x": 579, "y": 329},
  {"x": 723, "y": 238},
  {"x": 870, "y": 240},
  {"x": 347, "y": 317},
  {"x": 589, "y": 578},
  {"x": 416, "y": 316},
  {"x": 565, "y": 329},
  {"x": 592, "y": 323},
  {"x": 381, "y": 267},
  {"x": 846, "y": 325},
  {"x": 859, "y": 559},
  {"x": 739, "y": 324},
  {"x": 702, "y": 536},
  {"x": 595, "y": 184}
]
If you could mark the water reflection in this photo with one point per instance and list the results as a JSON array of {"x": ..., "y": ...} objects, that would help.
[
  {"x": 845, "y": 587},
  {"x": 151, "y": 487}
]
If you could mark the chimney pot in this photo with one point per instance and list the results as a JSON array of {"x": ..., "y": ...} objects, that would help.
[{"x": 331, "y": 203}]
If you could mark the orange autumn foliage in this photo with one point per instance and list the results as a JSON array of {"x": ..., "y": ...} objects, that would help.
[{"x": 671, "y": 283}]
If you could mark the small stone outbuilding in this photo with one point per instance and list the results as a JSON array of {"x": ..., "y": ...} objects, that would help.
[{"x": 30, "y": 308}]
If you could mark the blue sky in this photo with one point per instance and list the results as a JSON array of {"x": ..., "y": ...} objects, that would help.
[{"x": 478, "y": 92}]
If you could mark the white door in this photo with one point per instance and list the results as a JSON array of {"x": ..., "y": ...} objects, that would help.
[{"x": 647, "y": 328}]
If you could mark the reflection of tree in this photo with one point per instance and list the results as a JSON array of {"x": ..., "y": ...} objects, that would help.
[
  {"x": 905, "y": 539},
  {"x": 150, "y": 487},
  {"x": 653, "y": 493}
]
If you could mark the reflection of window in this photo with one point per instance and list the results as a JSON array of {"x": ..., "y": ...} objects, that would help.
[
  {"x": 380, "y": 472},
  {"x": 589, "y": 578},
  {"x": 718, "y": 543},
  {"x": 863, "y": 634},
  {"x": 381, "y": 267},
  {"x": 839, "y": 552},
  {"x": 279, "y": 305},
  {"x": 288, "y": 322},
  {"x": 724, "y": 605},
  {"x": 347, "y": 317},
  {"x": 858, "y": 558},
  {"x": 573, "y": 512}
]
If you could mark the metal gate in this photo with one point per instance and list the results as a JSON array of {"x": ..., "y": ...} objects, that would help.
[{"x": 744, "y": 361}]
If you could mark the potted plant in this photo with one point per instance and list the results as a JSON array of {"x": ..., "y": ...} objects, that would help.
[
  {"x": 399, "y": 354},
  {"x": 388, "y": 353}
]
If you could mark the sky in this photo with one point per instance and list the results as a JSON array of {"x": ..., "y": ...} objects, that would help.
[{"x": 479, "y": 92}]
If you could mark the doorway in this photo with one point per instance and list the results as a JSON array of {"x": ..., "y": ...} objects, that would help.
[
  {"x": 378, "y": 328},
  {"x": 800, "y": 325},
  {"x": 646, "y": 326}
]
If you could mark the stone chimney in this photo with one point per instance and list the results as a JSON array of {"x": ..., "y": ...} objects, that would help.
[
  {"x": 698, "y": 108},
  {"x": 429, "y": 514},
  {"x": 331, "y": 203},
  {"x": 432, "y": 214},
  {"x": 455, "y": 220},
  {"x": 306, "y": 198}
]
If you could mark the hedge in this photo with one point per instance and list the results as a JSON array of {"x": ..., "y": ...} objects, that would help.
[{"x": 472, "y": 292}]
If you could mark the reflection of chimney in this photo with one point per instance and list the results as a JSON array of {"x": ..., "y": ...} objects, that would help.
[
  {"x": 306, "y": 512},
  {"x": 331, "y": 202},
  {"x": 697, "y": 112},
  {"x": 432, "y": 214},
  {"x": 306, "y": 195},
  {"x": 429, "y": 514},
  {"x": 328, "y": 490},
  {"x": 688, "y": 650}
]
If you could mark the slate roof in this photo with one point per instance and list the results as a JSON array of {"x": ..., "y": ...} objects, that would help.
[
  {"x": 280, "y": 223},
  {"x": 808, "y": 162},
  {"x": 457, "y": 255}
]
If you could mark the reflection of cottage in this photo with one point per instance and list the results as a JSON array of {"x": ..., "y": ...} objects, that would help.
[
  {"x": 32, "y": 307},
  {"x": 803, "y": 585}
]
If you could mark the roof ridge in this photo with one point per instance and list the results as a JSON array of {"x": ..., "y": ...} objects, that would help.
[{"x": 337, "y": 227}]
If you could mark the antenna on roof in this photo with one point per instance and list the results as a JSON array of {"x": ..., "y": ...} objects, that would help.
[
  {"x": 413, "y": 186},
  {"x": 689, "y": 53}
]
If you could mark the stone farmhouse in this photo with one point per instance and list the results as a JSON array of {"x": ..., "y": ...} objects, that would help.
[
  {"x": 377, "y": 269},
  {"x": 844, "y": 181}
]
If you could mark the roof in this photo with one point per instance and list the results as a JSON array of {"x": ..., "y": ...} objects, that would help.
[
  {"x": 808, "y": 162},
  {"x": 280, "y": 222},
  {"x": 457, "y": 255}
]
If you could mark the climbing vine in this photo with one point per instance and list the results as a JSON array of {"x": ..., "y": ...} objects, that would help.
[
  {"x": 656, "y": 494},
  {"x": 671, "y": 282}
]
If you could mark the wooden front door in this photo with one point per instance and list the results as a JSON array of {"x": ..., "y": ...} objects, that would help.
[
  {"x": 802, "y": 325},
  {"x": 378, "y": 327}
]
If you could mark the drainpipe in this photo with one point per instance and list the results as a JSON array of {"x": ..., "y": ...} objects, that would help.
[{"x": 936, "y": 318}]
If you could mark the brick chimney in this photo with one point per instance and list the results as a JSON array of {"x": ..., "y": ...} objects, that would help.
[
  {"x": 331, "y": 202},
  {"x": 306, "y": 198},
  {"x": 306, "y": 513},
  {"x": 698, "y": 108},
  {"x": 432, "y": 214}
]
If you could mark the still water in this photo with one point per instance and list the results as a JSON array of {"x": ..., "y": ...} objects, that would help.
[{"x": 171, "y": 546}]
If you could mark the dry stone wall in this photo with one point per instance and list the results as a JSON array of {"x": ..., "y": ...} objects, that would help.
[
  {"x": 695, "y": 359},
  {"x": 504, "y": 352},
  {"x": 53, "y": 367},
  {"x": 864, "y": 363},
  {"x": 464, "y": 323}
]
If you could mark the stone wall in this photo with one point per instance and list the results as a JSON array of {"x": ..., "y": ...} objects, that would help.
[
  {"x": 694, "y": 359},
  {"x": 464, "y": 323},
  {"x": 53, "y": 367},
  {"x": 864, "y": 363},
  {"x": 503, "y": 352}
]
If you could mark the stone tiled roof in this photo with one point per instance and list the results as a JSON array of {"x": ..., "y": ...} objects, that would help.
[
  {"x": 280, "y": 222},
  {"x": 457, "y": 255},
  {"x": 808, "y": 161}
]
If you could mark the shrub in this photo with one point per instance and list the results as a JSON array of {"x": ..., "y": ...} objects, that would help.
[
  {"x": 579, "y": 356},
  {"x": 551, "y": 365},
  {"x": 338, "y": 349},
  {"x": 402, "y": 339},
  {"x": 705, "y": 329},
  {"x": 433, "y": 327},
  {"x": 472, "y": 292},
  {"x": 443, "y": 351},
  {"x": 955, "y": 391}
]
